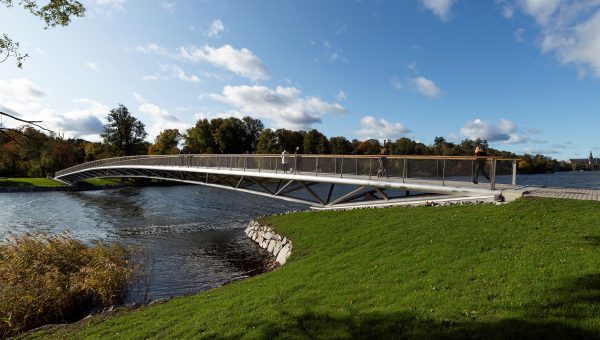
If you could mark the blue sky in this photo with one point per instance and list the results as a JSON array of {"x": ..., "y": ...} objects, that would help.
[{"x": 524, "y": 74}]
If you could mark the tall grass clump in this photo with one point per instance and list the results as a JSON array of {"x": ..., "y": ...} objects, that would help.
[{"x": 55, "y": 278}]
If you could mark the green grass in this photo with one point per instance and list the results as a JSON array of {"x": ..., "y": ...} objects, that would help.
[
  {"x": 529, "y": 269},
  {"x": 29, "y": 182},
  {"x": 46, "y": 182}
]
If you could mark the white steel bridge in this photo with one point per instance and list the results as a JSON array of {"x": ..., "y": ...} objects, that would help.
[{"x": 317, "y": 180}]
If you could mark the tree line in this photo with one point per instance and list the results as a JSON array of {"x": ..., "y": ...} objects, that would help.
[{"x": 30, "y": 152}]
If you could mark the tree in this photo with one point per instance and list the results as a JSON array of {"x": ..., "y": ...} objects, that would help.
[
  {"x": 289, "y": 140},
  {"x": 199, "y": 139},
  {"x": 252, "y": 130},
  {"x": 369, "y": 147},
  {"x": 340, "y": 146},
  {"x": 267, "y": 142},
  {"x": 165, "y": 143},
  {"x": 123, "y": 133},
  {"x": 316, "y": 143},
  {"x": 230, "y": 136},
  {"x": 54, "y": 13}
]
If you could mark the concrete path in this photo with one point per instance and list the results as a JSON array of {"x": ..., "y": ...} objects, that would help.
[{"x": 572, "y": 193}]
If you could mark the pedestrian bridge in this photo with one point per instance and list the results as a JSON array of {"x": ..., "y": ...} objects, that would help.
[{"x": 317, "y": 180}]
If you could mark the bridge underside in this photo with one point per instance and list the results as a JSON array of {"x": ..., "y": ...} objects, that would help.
[{"x": 315, "y": 191}]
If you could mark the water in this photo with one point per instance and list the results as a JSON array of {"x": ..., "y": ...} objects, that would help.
[
  {"x": 191, "y": 236},
  {"x": 571, "y": 179}
]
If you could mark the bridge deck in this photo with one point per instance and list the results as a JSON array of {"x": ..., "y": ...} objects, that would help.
[{"x": 263, "y": 174}]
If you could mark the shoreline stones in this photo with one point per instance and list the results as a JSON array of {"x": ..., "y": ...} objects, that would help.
[{"x": 278, "y": 246}]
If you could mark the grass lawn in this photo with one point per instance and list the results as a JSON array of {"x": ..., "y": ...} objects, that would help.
[
  {"x": 526, "y": 269},
  {"x": 29, "y": 182},
  {"x": 46, "y": 182}
]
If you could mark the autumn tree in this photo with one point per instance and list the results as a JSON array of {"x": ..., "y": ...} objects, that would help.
[
  {"x": 165, "y": 143},
  {"x": 123, "y": 133}
]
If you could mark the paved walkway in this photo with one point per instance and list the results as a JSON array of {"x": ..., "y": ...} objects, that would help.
[{"x": 572, "y": 193}]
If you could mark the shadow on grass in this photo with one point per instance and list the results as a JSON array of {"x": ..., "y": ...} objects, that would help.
[
  {"x": 11, "y": 184},
  {"x": 406, "y": 325},
  {"x": 559, "y": 318}
]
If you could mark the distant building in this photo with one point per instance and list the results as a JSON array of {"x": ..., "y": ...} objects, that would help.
[{"x": 589, "y": 161}]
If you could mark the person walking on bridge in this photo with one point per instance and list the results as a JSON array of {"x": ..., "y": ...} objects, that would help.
[
  {"x": 383, "y": 165},
  {"x": 285, "y": 159},
  {"x": 479, "y": 165},
  {"x": 297, "y": 160}
]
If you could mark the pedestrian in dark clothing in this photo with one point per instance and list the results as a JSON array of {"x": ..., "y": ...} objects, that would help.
[
  {"x": 383, "y": 165},
  {"x": 479, "y": 165}
]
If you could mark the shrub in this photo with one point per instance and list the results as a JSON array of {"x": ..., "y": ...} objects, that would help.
[{"x": 51, "y": 279}]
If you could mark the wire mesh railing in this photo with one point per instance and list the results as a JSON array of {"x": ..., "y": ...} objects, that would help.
[{"x": 431, "y": 168}]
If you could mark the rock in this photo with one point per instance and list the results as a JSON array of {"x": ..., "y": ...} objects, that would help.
[
  {"x": 259, "y": 239},
  {"x": 283, "y": 255},
  {"x": 268, "y": 235},
  {"x": 276, "y": 237},
  {"x": 264, "y": 243},
  {"x": 276, "y": 248},
  {"x": 284, "y": 240},
  {"x": 271, "y": 246}
]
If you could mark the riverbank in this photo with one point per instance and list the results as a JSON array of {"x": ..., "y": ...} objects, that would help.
[
  {"x": 13, "y": 184},
  {"x": 524, "y": 269}
]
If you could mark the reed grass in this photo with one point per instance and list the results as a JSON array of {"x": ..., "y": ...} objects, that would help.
[{"x": 56, "y": 278}]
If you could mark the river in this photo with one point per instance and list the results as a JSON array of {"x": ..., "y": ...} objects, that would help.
[{"x": 190, "y": 236}]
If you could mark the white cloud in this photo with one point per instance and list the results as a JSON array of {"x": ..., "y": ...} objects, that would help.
[
  {"x": 92, "y": 66},
  {"x": 519, "y": 34},
  {"x": 22, "y": 98},
  {"x": 341, "y": 95},
  {"x": 159, "y": 119},
  {"x": 284, "y": 106},
  {"x": 441, "y": 8},
  {"x": 334, "y": 53},
  {"x": 505, "y": 132},
  {"x": 215, "y": 29},
  {"x": 569, "y": 30},
  {"x": 152, "y": 48},
  {"x": 167, "y": 6},
  {"x": 116, "y": 4},
  {"x": 426, "y": 86},
  {"x": 396, "y": 84},
  {"x": 241, "y": 62},
  {"x": 380, "y": 129},
  {"x": 151, "y": 77},
  {"x": 177, "y": 72}
]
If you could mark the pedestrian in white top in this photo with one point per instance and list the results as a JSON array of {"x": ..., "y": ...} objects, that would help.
[{"x": 285, "y": 158}]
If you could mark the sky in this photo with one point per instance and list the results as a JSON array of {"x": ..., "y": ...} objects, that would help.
[{"x": 523, "y": 74}]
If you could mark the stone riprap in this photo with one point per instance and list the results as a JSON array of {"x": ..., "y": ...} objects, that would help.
[{"x": 278, "y": 246}]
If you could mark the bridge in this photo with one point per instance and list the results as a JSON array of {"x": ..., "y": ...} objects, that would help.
[{"x": 317, "y": 180}]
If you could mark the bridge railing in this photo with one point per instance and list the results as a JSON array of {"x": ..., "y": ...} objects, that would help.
[{"x": 438, "y": 168}]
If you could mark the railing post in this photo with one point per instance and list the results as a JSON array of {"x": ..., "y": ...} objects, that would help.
[
  {"x": 404, "y": 169},
  {"x": 276, "y": 164},
  {"x": 444, "y": 172},
  {"x": 317, "y": 166},
  {"x": 514, "y": 172},
  {"x": 356, "y": 159},
  {"x": 493, "y": 175},
  {"x": 218, "y": 162},
  {"x": 335, "y": 165},
  {"x": 245, "y": 162},
  {"x": 370, "y": 165},
  {"x": 342, "y": 168}
]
